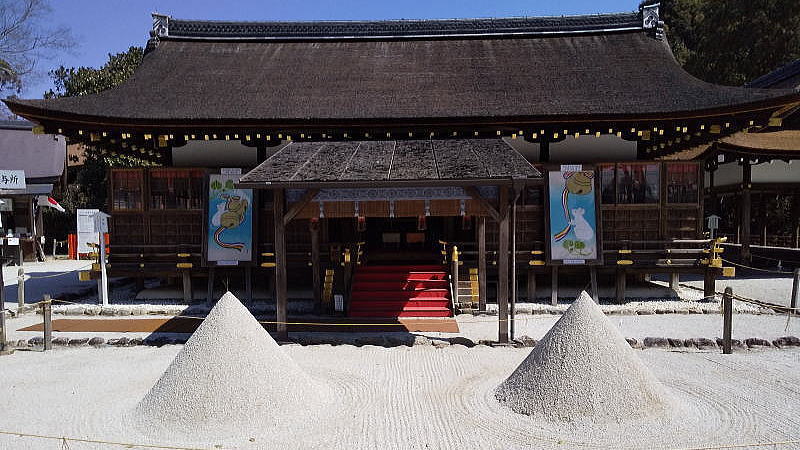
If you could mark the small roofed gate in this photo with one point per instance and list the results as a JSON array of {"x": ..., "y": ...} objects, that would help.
[{"x": 392, "y": 179}]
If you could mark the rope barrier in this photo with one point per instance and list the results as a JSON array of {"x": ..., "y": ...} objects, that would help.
[
  {"x": 97, "y": 441},
  {"x": 756, "y": 268},
  {"x": 763, "y": 304},
  {"x": 790, "y": 261},
  {"x": 59, "y": 273}
]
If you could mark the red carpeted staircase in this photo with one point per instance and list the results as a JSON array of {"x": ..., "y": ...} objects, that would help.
[{"x": 400, "y": 291}]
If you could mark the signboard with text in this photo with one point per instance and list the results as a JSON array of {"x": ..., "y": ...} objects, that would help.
[
  {"x": 12, "y": 179},
  {"x": 572, "y": 216}
]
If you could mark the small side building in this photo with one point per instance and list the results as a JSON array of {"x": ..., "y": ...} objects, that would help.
[{"x": 30, "y": 165}]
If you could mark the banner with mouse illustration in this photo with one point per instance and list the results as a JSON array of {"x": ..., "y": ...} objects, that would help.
[
  {"x": 230, "y": 221},
  {"x": 573, "y": 215}
]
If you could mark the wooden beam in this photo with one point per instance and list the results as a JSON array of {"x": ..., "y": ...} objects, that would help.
[
  {"x": 483, "y": 202},
  {"x": 313, "y": 227},
  {"x": 281, "y": 300},
  {"x": 709, "y": 283},
  {"x": 297, "y": 207},
  {"x": 502, "y": 267},
  {"x": 482, "y": 263}
]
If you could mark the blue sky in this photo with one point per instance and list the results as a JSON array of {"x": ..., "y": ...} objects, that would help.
[{"x": 111, "y": 26}]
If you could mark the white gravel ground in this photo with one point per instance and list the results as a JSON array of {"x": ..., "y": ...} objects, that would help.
[
  {"x": 566, "y": 376},
  {"x": 401, "y": 398}
]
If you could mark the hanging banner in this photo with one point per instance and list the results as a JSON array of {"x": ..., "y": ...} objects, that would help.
[
  {"x": 230, "y": 221},
  {"x": 573, "y": 216}
]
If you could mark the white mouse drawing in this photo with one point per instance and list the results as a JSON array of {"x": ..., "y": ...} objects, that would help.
[
  {"x": 216, "y": 218},
  {"x": 583, "y": 230}
]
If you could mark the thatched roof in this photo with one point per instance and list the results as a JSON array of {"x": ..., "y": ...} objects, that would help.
[
  {"x": 403, "y": 73},
  {"x": 373, "y": 163}
]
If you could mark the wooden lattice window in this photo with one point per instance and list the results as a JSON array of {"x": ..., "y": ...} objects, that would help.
[
  {"x": 637, "y": 183},
  {"x": 127, "y": 189},
  {"x": 176, "y": 189},
  {"x": 682, "y": 183}
]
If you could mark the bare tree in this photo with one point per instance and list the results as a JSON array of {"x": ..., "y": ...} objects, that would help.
[{"x": 26, "y": 36}]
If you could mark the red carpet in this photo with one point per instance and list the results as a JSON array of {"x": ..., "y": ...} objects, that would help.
[{"x": 400, "y": 291}]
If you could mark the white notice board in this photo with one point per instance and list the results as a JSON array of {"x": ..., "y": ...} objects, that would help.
[{"x": 86, "y": 230}]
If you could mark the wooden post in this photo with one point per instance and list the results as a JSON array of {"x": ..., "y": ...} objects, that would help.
[
  {"x": 454, "y": 274},
  {"x": 281, "y": 300},
  {"x": 316, "y": 281},
  {"x": 744, "y": 238},
  {"x": 764, "y": 235},
  {"x": 622, "y": 279},
  {"x": 727, "y": 320},
  {"x": 248, "y": 284},
  {"x": 593, "y": 282},
  {"x": 210, "y": 293},
  {"x": 554, "y": 287},
  {"x": 47, "y": 317},
  {"x": 502, "y": 267},
  {"x": 21, "y": 287},
  {"x": 513, "y": 306},
  {"x": 795, "y": 291},
  {"x": 531, "y": 285},
  {"x": 709, "y": 283},
  {"x": 2, "y": 281},
  {"x": 3, "y": 336},
  {"x": 674, "y": 280},
  {"x": 482, "y": 263},
  {"x": 188, "y": 295}
]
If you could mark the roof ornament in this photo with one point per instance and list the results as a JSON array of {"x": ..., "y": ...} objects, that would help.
[
  {"x": 651, "y": 20},
  {"x": 160, "y": 29}
]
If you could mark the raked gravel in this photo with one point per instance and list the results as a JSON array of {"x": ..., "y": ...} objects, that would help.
[{"x": 583, "y": 369}]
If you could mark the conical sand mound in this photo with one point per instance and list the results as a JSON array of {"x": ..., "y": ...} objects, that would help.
[
  {"x": 583, "y": 369},
  {"x": 230, "y": 376}
]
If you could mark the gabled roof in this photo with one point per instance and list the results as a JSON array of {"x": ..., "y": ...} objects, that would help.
[
  {"x": 41, "y": 156},
  {"x": 374, "y": 163},
  {"x": 422, "y": 73}
]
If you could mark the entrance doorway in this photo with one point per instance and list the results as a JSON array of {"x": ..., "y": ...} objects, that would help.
[{"x": 403, "y": 239}]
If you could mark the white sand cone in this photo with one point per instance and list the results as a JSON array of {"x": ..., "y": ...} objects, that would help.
[
  {"x": 583, "y": 369},
  {"x": 230, "y": 375}
]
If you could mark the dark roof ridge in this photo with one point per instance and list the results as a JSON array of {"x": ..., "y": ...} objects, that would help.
[
  {"x": 784, "y": 72},
  {"x": 165, "y": 27}
]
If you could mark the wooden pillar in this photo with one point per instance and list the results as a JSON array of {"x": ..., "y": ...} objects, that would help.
[
  {"x": 482, "y": 263},
  {"x": 502, "y": 267},
  {"x": 513, "y": 309},
  {"x": 316, "y": 282},
  {"x": 709, "y": 283},
  {"x": 674, "y": 279},
  {"x": 248, "y": 284},
  {"x": 795, "y": 219},
  {"x": 531, "y": 285},
  {"x": 554, "y": 286},
  {"x": 622, "y": 279},
  {"x": 745, "y": 206},
  {"x": 712, "y": 192},
  {"x": 281, "y": 300},
  {"x": 544, "y": 150},
  {"x": 210, "y": 293},
  {"x": 188, "y": 295},
  {"x": 593, "y": 283}
]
